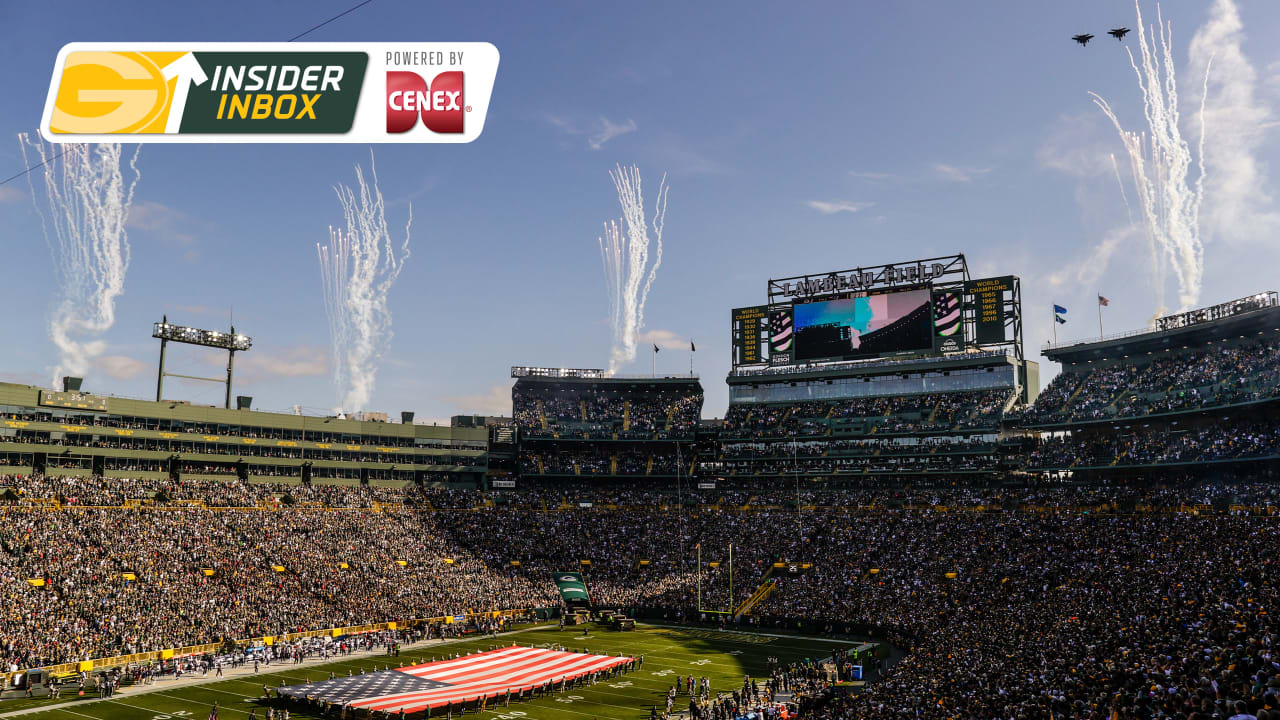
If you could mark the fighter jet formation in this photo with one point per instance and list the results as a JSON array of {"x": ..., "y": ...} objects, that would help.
[{"x": 1117, "y": 33}]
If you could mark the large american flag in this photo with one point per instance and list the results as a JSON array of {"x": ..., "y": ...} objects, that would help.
[{"x": 463, "y": 680}]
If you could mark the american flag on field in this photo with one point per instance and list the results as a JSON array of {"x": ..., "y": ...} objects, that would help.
[
  {"x": 463, "y": 680},
  {"x": 780, "y": 331}
]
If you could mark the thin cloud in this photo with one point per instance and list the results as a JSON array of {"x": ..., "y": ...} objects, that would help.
[
  {"x": 874, "y": 176},
  {"x": 1078, "y": 145},
  {"x": 597, "y": 132},
  {"x": 609, "y": 130},
  {"x": 838, "y": 206},
  {"x": 955, "y": 173},
  {"x": 1089, "y": 271},
  {"x": 561, "y": 123},
  {"x": 10, "y": 194},
  {"x": 682, "y": 158},
  {"x": 121, "y": 367},
  {"x": 294, "y": 362},
  {"x": 172, "y": 226},
  {"x": 664, "y": 339},
  {"x": 201, "y": 310},
  {"x": 495, "y": 401},
  {"x": 24, "y": 378}
]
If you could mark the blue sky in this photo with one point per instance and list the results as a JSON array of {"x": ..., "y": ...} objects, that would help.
[{"x": 799, "y": 137}]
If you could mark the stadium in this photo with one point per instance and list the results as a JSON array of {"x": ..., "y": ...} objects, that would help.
[
  {"x": 839, "y": 441},
  {"x": 892, "y": 518}
]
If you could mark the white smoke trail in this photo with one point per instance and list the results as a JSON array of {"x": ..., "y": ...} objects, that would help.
[
  {"x": 357, "y": 269},
  {"x": 1115, "y": 167},
  {"x": 1153, "y": 245},
  {"x": 86, "y": 203},
  {"x": 624, "y": 252},
  {"x": 1160, "y": 161}
]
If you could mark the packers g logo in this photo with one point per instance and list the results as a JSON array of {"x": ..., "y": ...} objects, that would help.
[{"x": 114, "y": 92}]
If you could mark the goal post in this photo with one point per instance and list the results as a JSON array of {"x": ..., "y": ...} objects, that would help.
[{"x": 700, "y": 567}]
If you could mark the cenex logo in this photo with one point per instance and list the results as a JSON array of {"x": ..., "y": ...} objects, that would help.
[{"x": 440, "y": 104}]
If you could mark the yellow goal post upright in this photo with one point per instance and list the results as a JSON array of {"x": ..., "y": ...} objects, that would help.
[{"x": 701, "y": 609}]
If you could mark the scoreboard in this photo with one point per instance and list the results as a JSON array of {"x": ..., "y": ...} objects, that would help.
[
  {"x": 990, "y": 308},
  {"x": 749, "y": 334},
  {"x": 73, "y": 400},
  {"x": 926, "y": 307}
]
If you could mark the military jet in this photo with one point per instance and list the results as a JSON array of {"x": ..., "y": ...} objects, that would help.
[
  {"x": 1082, "y": 39},
  {"x": 1118, "y": 33}
]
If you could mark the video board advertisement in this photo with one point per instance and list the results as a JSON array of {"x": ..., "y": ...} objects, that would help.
[{"x": 869, "y": 326}]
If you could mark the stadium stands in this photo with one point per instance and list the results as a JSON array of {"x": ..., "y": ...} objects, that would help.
[
  {"x": 1245, "y": 371},
  {"x": 874, "y": 420},
  {"x": 1108, "y": 552},
  {"x": 1064, "y": 592},
  {"x": 1198, "y": 396},
  {"x": 577, "y": 423}
]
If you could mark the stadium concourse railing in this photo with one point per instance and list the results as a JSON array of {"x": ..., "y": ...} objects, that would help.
[{"x": 263, "y": 641}]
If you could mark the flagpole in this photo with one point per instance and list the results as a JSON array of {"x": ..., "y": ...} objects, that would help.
[
  {"x": 1055, "y": 325},
  {"x": 1099, "y": 316}
]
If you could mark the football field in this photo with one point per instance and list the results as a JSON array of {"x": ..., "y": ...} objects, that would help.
[{"x": 723, "y": 657}]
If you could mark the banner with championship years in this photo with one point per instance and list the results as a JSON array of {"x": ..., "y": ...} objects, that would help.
[{"x": 270, "y": 92}]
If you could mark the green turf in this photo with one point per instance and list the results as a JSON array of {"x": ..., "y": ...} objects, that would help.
[{"x": 722, "y": 657}]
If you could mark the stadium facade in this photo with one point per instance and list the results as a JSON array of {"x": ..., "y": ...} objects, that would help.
[
  {"x": 936, "y": 418},
  {"x": 914, "y": 388},
  {"x": 79, "y": 434}
]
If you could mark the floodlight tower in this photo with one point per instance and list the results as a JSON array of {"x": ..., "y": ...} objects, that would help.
[{"x": 231, "y": 342}]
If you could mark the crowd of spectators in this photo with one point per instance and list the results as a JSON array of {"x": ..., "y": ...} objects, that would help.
[
  {"x": 1225, "y": 439},
  {"x": 97, "y": 491},
  {"x": 639, "y": 411},
  {"x": 922, "y": 413},
  {"x": 86, "y": 608},
  {"x": 623, "y": 461},
  {"x": 924, "y": 433},
  {"x": 1179, "y": 380},
  {"x": 1106, "y": 614}
]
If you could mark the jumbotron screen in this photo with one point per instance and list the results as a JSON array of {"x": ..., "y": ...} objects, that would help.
[{"x": 870, "y": 326}]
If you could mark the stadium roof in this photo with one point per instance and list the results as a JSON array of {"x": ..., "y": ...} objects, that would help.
[{"x": 1257, "y": 314}]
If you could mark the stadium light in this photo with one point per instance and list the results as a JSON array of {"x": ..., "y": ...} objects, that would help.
[
  {"x": 232, "y": 341},
  {"x": 207, "y": 338}
]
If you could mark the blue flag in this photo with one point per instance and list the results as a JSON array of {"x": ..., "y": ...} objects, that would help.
[{"x": 1059, "y": 309}]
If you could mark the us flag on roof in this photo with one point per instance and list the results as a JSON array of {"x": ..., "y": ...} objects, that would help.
[{"x": 463, "y": 680}]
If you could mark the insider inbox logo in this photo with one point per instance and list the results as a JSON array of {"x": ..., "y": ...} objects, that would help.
[
  {"x": 270, "y": 92},
  {"x": 439, "y": 102}
]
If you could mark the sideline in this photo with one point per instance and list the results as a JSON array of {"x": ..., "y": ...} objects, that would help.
[{"x": 241, "y": 673}]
